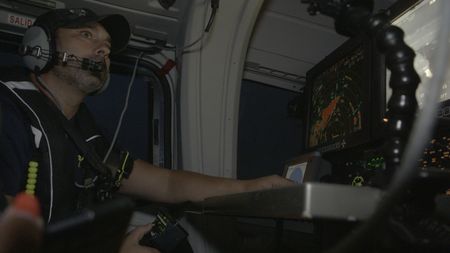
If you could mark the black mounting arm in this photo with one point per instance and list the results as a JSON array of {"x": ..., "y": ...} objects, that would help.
[{"x": 348, "y": 14}]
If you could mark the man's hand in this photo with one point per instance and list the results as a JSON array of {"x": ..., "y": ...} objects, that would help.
[
  {"x": 268, "y": 182},
  {"x": 131, "y": 242}
]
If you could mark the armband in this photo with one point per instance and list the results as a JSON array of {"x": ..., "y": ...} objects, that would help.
[{"x": 120, "y": 167}]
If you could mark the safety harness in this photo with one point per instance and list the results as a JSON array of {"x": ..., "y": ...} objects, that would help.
[{"x": 47, "y": 178}]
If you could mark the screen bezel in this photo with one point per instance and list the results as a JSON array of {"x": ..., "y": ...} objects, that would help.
[{"x": 401, "y": 7}]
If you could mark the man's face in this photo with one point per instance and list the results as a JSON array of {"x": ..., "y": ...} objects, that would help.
[{"x": 92, "y": 42}]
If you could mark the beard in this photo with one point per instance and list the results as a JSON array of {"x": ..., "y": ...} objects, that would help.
[{"x": 85, "y": 80}]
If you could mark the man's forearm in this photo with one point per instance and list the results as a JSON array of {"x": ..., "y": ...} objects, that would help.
[
  {"x": 170, "y": 186},
  {"x": 192, "y": 186}
]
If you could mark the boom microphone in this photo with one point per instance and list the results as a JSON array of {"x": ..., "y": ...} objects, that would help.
[
  {"x": 83, "y": 63},
  {"x": 63, "y": 58},
  {"x": 91, "y": 65}
]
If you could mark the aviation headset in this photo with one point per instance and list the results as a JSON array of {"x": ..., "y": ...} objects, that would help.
[{"x": 38, "y": 46}]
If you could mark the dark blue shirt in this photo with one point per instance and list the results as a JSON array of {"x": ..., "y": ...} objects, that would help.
[
  {"x": 65, "y": 181},
  {"x": 15, "y": 147}
]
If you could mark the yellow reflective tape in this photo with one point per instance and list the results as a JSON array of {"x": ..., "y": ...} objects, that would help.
[
  {"x": 122, "y": 169},
  {"x": 32, "y": 169},
  {"x": 33, "y": 164}
]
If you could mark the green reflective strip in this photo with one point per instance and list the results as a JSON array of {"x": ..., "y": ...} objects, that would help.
[
  {"x": 122, "y": 170},
  {"x": 31, "y": 181},
  {"x": 33, "y": 164},
  {"x": 32, "y": 175},
  {"x": 32, "y": 170},
  {"x": 30, "y": 187}
]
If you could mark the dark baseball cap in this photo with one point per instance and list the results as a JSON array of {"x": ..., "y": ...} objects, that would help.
[{"x": 116, "y": 25}]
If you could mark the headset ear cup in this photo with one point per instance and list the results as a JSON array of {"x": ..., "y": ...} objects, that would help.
[{"x": 38, "y": 56}]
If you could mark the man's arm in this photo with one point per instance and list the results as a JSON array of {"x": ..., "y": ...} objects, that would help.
[{"x": 169, "y": 186}]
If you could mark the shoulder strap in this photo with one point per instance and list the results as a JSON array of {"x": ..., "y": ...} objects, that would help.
[
  {"x": 85, "y": 149},
  {"x": 105, "y": 183}
]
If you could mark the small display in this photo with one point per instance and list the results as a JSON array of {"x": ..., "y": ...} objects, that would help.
[
  {"x": 309, "y": 167},
  {"x": 296, "y": 172}
]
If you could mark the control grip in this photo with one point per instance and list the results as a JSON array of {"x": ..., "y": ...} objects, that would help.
[{"x": 165, "y": 235}]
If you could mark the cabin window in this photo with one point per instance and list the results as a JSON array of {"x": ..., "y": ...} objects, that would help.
[
  {"x": 145, "y": 129},
  {"x": 267, "y": 136}
]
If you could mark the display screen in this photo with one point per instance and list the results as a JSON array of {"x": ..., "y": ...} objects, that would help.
[
  {"x": 339, "y": 93},
  {"x": 336, "y": 100},
  {"x": 421, "y": 24},
  {"x": 307, "y": 167},
  {"x": 296, "y": 172}
]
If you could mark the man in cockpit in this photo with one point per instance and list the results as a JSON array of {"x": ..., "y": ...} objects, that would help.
[{"x": 40, "y": 149}]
